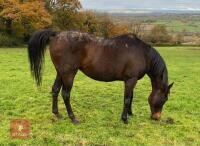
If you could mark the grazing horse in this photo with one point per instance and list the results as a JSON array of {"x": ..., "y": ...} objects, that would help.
[{"x": 123, "y": 58}]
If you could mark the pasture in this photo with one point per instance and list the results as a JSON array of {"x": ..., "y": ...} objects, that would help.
[
  {"x": 98, "y": 105},
  {"x": 179, "y": 26}
]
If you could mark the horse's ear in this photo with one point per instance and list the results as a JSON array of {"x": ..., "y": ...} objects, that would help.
[{"x": 170, "y": 86}]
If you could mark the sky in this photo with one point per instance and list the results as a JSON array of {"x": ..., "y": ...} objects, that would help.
[{"x": 142, "y": 4}]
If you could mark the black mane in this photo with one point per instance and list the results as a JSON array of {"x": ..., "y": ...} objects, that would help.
[{"x": 158, "y": 67}]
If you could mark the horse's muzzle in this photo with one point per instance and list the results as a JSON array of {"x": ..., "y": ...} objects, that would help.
[{"x": 156, "y": 116}]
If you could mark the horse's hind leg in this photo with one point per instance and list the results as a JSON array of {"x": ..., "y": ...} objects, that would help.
[
  {"x": 55, "y": 91},
  {"x": 68, "y": 79},
  {"x": 129, "y": 85}
]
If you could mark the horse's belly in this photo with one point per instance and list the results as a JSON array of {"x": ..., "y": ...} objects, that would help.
[{"x": 101, "y": 74}]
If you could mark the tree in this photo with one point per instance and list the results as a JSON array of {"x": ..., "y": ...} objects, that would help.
[
  {"x": 136, "y": 28},
  {"x": 90, "y": 22},
  {"x": 27, "y": 16},
  {"x": 159, "y": 34},
  {"x": 105, "y": 25},
  {"x": 10, "y": 11},
  {"x": 34, "y": 18},
  {"x": 177, "y": 39},
  {"x": 119, "y": 29},
  {"x": 65, "y": 13}
]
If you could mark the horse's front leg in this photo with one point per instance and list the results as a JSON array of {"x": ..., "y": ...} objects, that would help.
[
  {"x": 130, "y": 113},
  {"x": 55, "y": 91},
  {"x": 67, "y": 80},
  {"x": 128, "y": 92}
]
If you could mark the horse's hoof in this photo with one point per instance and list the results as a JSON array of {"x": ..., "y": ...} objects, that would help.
[
  {"x": 130, "y": 113},
  {"x": 58, "y": 116},
  {"x": 75, "y": 122},
  {"x": 125, "y": 121}
]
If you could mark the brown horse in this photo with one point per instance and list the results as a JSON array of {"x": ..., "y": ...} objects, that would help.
[{"x": 124, "y": 58}]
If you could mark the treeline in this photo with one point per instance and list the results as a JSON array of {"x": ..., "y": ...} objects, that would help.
[
  {"x": 159, "y": 35},
  {"x": 20, "y": 18}
]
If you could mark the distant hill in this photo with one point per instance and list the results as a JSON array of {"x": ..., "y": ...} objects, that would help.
[
  {"x": 149, "y": 11},
  {"x": 184, "y": 22},
  {"x": 177, "y": 21}
]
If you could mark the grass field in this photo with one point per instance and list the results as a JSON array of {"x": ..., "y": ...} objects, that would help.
[
  {"x": 173, "y": 22},
  {"x": 98, "y": 105},
  {"x": 179, "y": 26}
]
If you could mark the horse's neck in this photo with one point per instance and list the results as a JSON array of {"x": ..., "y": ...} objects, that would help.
[
  {"x": 159, "y": 81},
  {"x": 157, "y": 69}
]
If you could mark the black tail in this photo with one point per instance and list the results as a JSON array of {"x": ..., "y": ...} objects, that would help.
[{"x": 36, "y": 50}]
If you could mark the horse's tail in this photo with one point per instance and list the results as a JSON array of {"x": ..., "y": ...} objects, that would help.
[{"x": 36, "y": 50}]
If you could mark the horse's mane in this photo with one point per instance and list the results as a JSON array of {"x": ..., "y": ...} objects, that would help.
[{"x": 157, "y": 65}]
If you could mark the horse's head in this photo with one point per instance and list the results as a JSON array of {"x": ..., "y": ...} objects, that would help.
[{"x": 157, "y": 99}]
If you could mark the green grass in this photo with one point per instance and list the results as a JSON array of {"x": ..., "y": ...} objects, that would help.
[
  {"x": 98, "y": 105},
  {"x": 179, "y": 26}
]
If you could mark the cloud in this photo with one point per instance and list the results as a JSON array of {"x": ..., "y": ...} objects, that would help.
[{"x": 142, "y": 4}]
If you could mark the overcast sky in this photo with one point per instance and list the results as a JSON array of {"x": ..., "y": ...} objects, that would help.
[{"x": 142, "y": 4}]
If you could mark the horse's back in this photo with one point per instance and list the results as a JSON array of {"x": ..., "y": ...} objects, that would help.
[{"x": 114, "y": 59}]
